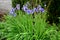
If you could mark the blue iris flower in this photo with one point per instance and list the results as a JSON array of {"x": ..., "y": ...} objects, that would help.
[
  {"x": 12, "y": 12},
  {"x": 29, "y": 11},
  {"x": 24, "y": 8},
  {"x": 18, "y": 6},
  {"x": 35, "y": 10},
  {"x": 41, "y": 9}
]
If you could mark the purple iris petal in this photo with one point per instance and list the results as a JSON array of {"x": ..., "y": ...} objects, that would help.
[
  {"x": 24, "y": 8},
  {"x": 35, "y": 10},
  {"x": 18, "y": 6},
  {"x": 41, "y": 9},
  {"x": 12, "y": 10},
  {"x": 29, "y": 11}
]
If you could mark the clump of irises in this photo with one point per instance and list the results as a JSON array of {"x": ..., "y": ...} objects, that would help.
[
  {"x": 31, "y": 11},
  {"x": 12, "y": 11},
  {"x": 26, "y": 9}
]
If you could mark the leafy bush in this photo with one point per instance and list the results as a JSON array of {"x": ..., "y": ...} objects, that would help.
[{"x": 21, "y": 28}]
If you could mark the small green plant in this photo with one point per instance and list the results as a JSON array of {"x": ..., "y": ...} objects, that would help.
[{"x": 21, "y": 28}]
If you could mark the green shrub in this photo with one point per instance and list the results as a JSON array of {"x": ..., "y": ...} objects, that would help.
[{"x": 21, "y": 28}]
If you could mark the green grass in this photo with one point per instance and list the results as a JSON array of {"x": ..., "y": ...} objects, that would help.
[{"x": 21, "y": 28}]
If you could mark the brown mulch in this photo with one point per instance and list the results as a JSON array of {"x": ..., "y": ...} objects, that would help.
[{"x": 2, "y": 13}]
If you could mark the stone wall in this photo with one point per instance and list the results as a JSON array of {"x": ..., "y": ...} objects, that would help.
[{"x": 5, "y": 5}]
